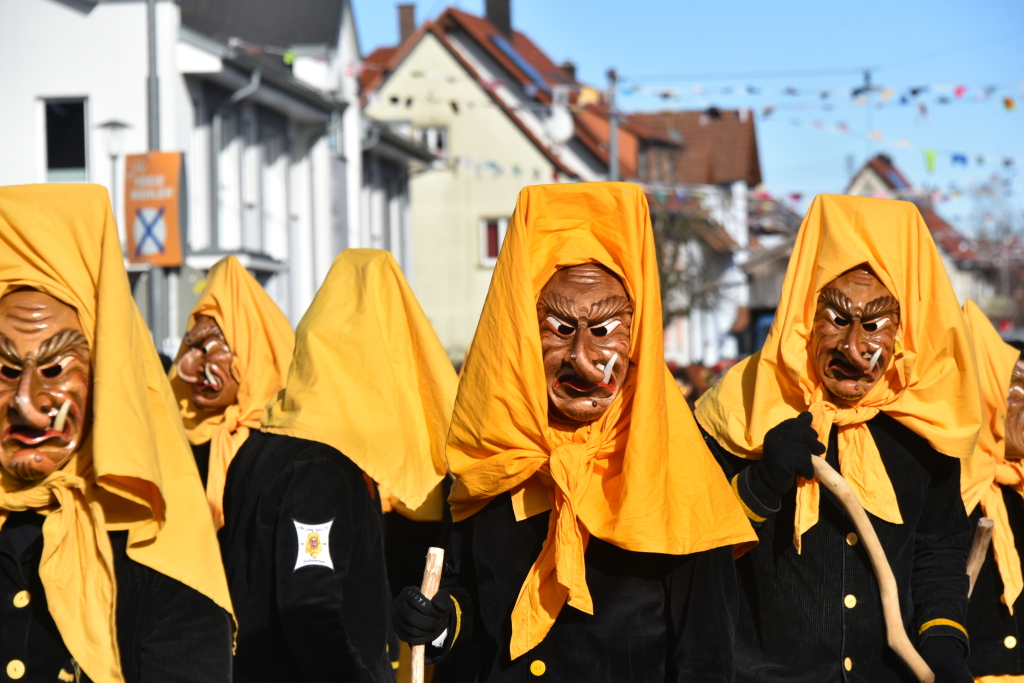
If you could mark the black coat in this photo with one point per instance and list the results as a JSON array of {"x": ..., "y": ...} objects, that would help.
[
  {"x": 997, "y": 637},
  {"x": 656, "y": 617},
  {"x": 201, "y": 453},
  {"x": 166, "y": 631},
  {"x": 795, "y": 624},
  {"x": 302, "y": 620}
]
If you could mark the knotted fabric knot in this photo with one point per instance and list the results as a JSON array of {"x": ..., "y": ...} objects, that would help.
[{"x": 859, "y": 461}]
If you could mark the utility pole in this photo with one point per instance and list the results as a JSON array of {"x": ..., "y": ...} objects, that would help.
[
  {"x": 613, "y": 129},
  {"x": 157, "y": 276},
  {"x": 866, "y": 91}
]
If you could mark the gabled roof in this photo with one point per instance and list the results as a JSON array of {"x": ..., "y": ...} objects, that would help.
[
  {"x": 281, "y": 23},
  {"x": 720, "y": 145},
  {"x": 376, "y": 72},
  {"x": 887, "y": 172},
  {"x": 490, "y": 39},
  {"x": 944, "y": 234}
]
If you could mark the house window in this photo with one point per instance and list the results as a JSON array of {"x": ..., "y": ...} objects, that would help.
[
  {"x": 435, "y": 138},
  {"x": 65, "y": 141},
  {"x": 492, "y": 234}
]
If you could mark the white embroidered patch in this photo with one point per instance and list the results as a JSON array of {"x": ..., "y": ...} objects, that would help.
[{"x": 314, "y": 545}]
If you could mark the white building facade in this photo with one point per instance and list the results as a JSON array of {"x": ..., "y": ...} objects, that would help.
[{"x": 264, "y": 108}]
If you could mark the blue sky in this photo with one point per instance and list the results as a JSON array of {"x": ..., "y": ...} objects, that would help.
[{"x": 811, "y": 47}]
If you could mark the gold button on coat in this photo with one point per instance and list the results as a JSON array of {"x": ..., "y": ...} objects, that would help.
[
  {"x": 15, "y": 669},
  {"x": 21, "y": 599},
  {"x": 848, "y": 664},
  {"x": 851, "y": 538},
  {"x": 537, "y": 667},
  {"x": 1010, "y": 642},
  {"x": 850, "y": 601}
]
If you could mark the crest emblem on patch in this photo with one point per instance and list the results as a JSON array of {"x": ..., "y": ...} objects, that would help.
[{"x": 314, "y": 545}]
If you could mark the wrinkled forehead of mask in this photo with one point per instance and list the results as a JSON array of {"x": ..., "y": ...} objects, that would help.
[
  {"x": 29, "y": 317},
  {"x": 858, "y": 293}
]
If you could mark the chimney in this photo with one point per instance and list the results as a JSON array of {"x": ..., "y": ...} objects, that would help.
[
  {"x": 569, "y": 68},
  {"x": 499, "y": 13},
  {"x": 406, "y": 21}
]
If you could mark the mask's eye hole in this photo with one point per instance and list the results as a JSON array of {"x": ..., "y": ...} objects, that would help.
[
  {"x": 51, "y": 371},
  {"x": 875, "y": 325},
  {"x": 10, "y": 373},
  {"x": 837, "y": 320},
  {"x": 604, "y": 329},
  {"x": 560, "y": 327}
]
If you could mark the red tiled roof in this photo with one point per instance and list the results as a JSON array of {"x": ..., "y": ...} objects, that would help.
[
  {"x": 393, "y": 58},
  {"x": 945, "y": 235},
  {"x": 481, "y": 30},
  {"x": 888, "y": 173},
  {"x": 717, "y": 150},
  {"x": 374, "y": 65}
]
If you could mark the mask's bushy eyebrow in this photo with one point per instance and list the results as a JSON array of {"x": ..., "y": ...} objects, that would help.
[
  {"x": 881, "y": 306},
  {"x": 193, "y": 336},
  {"x": 47, "y": 351},
  {"x": 830, "y": 296},
  {"x": 609, "y": 307},
  {"x": 9, "y": 354},
  {"x": 559, "y": 305}
]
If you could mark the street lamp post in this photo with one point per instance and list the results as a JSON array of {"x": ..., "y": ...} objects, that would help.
[{"x": 113, "y": 132}]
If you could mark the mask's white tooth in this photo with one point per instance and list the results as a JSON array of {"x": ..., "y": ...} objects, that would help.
[
  {"x": 608, "y": 368},
  {"x": 62, "y": 416},
  {"x": 211, "y": 378},
  {"x": 874, "y": 360}
]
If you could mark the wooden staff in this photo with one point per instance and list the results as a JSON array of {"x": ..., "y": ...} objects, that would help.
[
  {"x": 979, "y": 549},
  {"x": 431, "y": 581},
  {"x": 895, "y": 631}
]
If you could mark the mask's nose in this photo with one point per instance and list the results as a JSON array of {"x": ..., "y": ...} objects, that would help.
[
  {"x": 189, "y": 366},
  {"x": 583, "y": 348},
  {"x": 25, "y": 401},
  {"x": 857, "y": 346}
]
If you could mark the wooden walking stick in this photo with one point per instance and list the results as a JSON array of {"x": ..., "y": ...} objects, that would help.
[
  {"x": 431, "y": 582},
  {"x": 896, "y": 634},
  {"x": 979, "y": 549}
]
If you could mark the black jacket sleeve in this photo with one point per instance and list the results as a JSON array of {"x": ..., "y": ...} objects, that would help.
[
  {"x": 736, "y": 470},
  {"x": 457, "y": 580},
  {"x": 309, "y": 597},
  {"x": 167, "y": 631},
  {"x": 704, "y": 607},
  {"x": 941, "y": 543}
]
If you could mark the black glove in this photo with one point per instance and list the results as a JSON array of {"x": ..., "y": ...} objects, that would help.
[
  {"x": 788, "y": 447},
  {"x": 945, "y": 655},
  {"x": 417, "y": 620}
]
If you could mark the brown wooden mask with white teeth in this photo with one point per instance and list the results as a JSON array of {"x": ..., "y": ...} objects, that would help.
[
  {"x": 45, "y": 384},
  {"x": 206, "y": 366},
  {"x": 854, "y": 333},
  {"x": 584, "y": 315},
  {"x": 1015, "y": 414}
]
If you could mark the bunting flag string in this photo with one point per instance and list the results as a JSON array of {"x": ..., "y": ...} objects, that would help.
[{"x": 957, "y": 158}]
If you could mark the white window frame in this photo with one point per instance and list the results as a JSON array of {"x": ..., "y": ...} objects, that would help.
[{"x": 485, "y": 260}]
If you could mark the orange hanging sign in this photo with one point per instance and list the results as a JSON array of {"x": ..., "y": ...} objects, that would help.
[{"x": 151, "y": 208}]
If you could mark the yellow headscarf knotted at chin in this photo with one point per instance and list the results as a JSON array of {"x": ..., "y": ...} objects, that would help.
[
  {"x": 135, "y": 470},
  {"x": 984, "y": 473},
  {"x": 261, "y": 342},
  {"x": 640, "y": 476},
  {"x": 930, "y": 385},
  {"x": 370, "y": 377}
]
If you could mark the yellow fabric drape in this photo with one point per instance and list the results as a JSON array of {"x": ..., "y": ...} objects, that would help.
[
  {"x": 640, "y": 476},
  {"x": 1008, "y": 678},
  {"x": 262, "y": 343},
  {"x": 983, "y": 474},
  {"x": 370, "y": 377},
  {"x": 930, "y": 385},
  {"x": 135, "y": 470}
]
